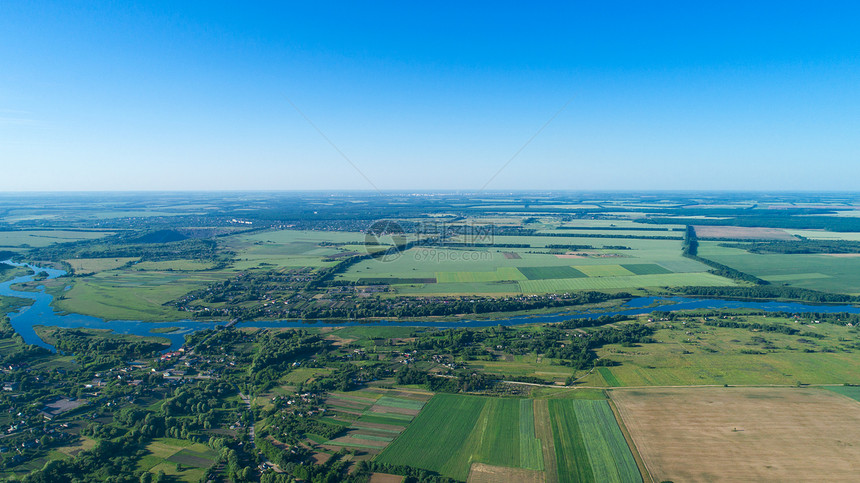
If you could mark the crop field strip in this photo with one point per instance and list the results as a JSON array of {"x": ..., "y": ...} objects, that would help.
[
  {"x": 570, "y": 452},
  {"x": 600, "y": 452},
  {"x": 531, "y": 454},
  {"x": 424, "y": 444},
  {"x": 544, "y": 433},
  {"x": 610, "y": 457},
  {"x": 567, "y": 440},
  {"x": 372, "y": 420},
  {"x": 597, "y": 283},
  {"x": 543, "y": 273},
  {"x": 645, "y": 268},
  {"x": 608, "y": 376}
]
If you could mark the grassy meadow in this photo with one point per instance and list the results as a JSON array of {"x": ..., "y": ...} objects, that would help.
[
  {"x": 824, "y": 272},
  {"x": 693, "y": 353}
]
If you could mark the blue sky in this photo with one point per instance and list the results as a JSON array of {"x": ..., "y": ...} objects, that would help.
[{"x": 663, "y": 95}]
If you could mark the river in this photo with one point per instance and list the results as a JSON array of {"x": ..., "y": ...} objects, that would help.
[{"x": 41, "y": 313}]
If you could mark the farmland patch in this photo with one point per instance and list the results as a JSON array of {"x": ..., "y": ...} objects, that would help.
[{"x": 752, "y": 434}]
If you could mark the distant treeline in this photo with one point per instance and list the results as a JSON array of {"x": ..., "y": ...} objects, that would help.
[
  {"x": 769, "y": 292},
  {"x": 114, "y": 247},
  {"x": 605, "y": 235},
  {"x": 618, "y": 228},
  {"x": 771, "y": 219},
  {"x": 588, "y": 247},
  {"x": 798, "y": 246},
  {"x": 595, "y": 322}
]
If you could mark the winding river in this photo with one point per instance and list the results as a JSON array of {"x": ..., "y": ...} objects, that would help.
[{"x": 41, "y": 313}]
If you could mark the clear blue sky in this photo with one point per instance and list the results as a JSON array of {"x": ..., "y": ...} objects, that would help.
[{"x": 196, "y": 95}]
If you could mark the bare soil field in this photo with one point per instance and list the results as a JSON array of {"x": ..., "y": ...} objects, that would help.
[
  {"x": 741, "y": 233},
  {"x": 385, "y": 478},
  {"x": 843, "y": 255},
  {"x": 482, "y": 473},
  {"x": 743, "y": 434}
]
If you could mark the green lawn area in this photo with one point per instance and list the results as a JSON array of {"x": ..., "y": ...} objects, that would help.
[
  {"x": 813, "y": 271},
  {"x": 130, "y": 295},
  {"x": 712, "y": 355},
  {"x": 589, "y": 444},
  {"x": 486, "y": 270},
  {"x": 40, "y": 238}
]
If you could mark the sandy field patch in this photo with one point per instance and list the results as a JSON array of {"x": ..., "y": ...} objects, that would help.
[
  {"x": 385, "y": 478},
  {"x": 481, "y": 473},
  {"x": 743, "y": 434},
  {"x": 843, "y": 255}
]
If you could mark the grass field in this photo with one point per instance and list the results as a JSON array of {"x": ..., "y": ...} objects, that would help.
[
  {"x": 587, "y": 430},
  {"x": 851, "y": 391},
  {"x": 449, "y": 449},
  {"x": 500, "y": 273},
  {"x": 698, "y": 354},
  {"x": 813, "y": 271},
  {"x": 293, "y": 248},
  {"x": 488, "y": 269},
  {"x": 39, "y": 238},
  {"x": 165, "y": 453},
  {"x": 85, "y": 266},
  {"x": 174, "y": 265},
  {"x": 743, "y": 434},
  {"x": 455, "y": 432},
  {"x": 631, "y": 282},
  {"x": 543, "y": 273},
  {"x": 130, "y": 295}
]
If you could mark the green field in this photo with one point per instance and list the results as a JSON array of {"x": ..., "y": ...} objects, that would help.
[
  {"x": 851, "y": 391},
  {"x": 450, "y": 448},
  {"x": 487, "y": 270},
  {"x": 454, "y": 431},
  {"x": 645, "y": 268},
  {"x": 500, "y": 273},
  {"x": 174, "y": 265},
  {"x": 290, "y": 248},
  {"x": 812, "y": 271},
  {"x": 130, "y": 295},
  {"x": 43, "y": 238},
  {"x": 167, "y": 454},
  {"x": 531, "y": 456},
  {"x": 634, "y": 281},
  {"x": 83, "y": 266},
  {"x": 543, "y": 273},
  {"x": 696, "y": 354}
]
